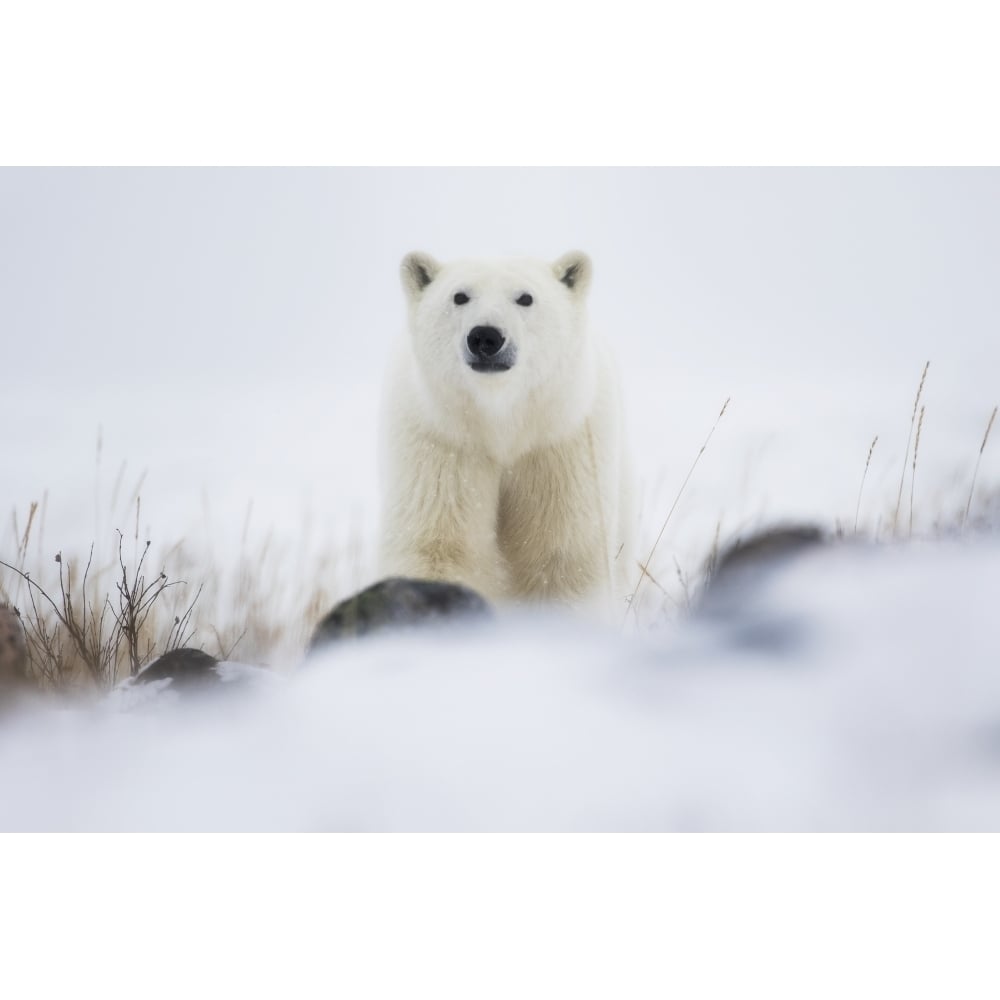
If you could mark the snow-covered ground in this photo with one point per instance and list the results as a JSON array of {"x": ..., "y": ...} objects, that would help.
[
  {"x": 852, "y": 689},
  {"x": 223, "y": 335}
]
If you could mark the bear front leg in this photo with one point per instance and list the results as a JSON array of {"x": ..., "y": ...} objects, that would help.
[
  {"x": 440, "y": 516},
  {"x": 555, "y": 525}
]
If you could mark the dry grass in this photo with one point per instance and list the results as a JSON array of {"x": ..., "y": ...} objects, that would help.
[
  {"x": 948, "y": 521},
  {"x": 644, "y": 566},
  {"x": 864, "y": 476},
  {"x": 909, "y": 440},
  {"x": 263, "y": 608},
  {"x": 975, "y": 473},
  {"x": 687, "y": 582},
  {"x": 94, "y": 618},
  {"x": 913, "y": 473},
  {"x": 89, "y": 622}
]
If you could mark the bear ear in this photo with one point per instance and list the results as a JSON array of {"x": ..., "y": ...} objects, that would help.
[
  {"x": 573, "y": 270},
  {"x": 418, "y": 270}
]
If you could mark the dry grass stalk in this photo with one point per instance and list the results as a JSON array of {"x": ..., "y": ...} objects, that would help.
[
  {"x": 975, "y": 473},
  {"x": 864, "y": 475},
  {"x": 136, "y": 598},
  {"x": 913, "y": 474},
  {"x": 663, "y": 590},
  {"x": 23, "y": 546},
  {"x": 635, "y": 593},
  {"x": 906, "y": 454},
  {"x": 656, "y": 583},
  {"x": 713, "y": 554},
  {"x": 682, "y": 579}
]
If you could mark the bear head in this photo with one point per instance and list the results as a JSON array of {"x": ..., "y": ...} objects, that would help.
[{"x": 506, "y": 323}]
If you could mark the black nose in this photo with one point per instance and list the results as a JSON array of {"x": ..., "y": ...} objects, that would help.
[{"x": 485, "y": 341}]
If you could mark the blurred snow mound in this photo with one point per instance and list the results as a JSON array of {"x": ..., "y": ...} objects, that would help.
[{"x": 853, "y": 687}]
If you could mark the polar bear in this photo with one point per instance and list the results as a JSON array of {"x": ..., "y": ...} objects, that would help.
[{"x": 504, "y": 462}]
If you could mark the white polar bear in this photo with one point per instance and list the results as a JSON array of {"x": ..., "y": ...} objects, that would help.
[{"x": 504, "y": 460}]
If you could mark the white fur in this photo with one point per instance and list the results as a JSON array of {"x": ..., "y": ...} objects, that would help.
[{"x": 514, "y": 483}]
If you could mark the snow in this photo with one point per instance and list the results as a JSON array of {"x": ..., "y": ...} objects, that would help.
[
  {"x": 877, "y": 708},
  {"x": 222, "y": 334}
]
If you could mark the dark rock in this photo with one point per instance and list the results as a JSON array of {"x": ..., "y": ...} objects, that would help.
[
  {"x": 766, "y": 549},
  {"x": 747, "y": 560},
  {"x": 187, "y": 676},
  {"x": 732, "y": 598},
  {"x": 184, "y": 667},
  {"x": 399, "y": 603}
]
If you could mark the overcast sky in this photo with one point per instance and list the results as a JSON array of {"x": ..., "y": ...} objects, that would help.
[{"x": 244, "y": 268}]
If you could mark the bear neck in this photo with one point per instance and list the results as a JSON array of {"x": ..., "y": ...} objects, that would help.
[{"x": 506, "y": 421}]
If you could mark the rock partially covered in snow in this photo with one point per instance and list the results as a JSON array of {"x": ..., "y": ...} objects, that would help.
[
  {"x": 183, "y": 667},
  {"x": 397, "y": 603},
  {"x": 735, "y": 599},
  {"x": 183, "y": 673}
]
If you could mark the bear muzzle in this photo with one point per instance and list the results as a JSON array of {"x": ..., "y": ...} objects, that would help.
[{"x": 487, "y": 350}]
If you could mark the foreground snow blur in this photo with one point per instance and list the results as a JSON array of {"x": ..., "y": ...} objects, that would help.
[{"x": 853, "y": 688}]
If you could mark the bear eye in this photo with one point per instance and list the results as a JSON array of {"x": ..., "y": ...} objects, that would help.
[
  {"x": 461, "y": 298},
  {"x": 525, "y": 300}
]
